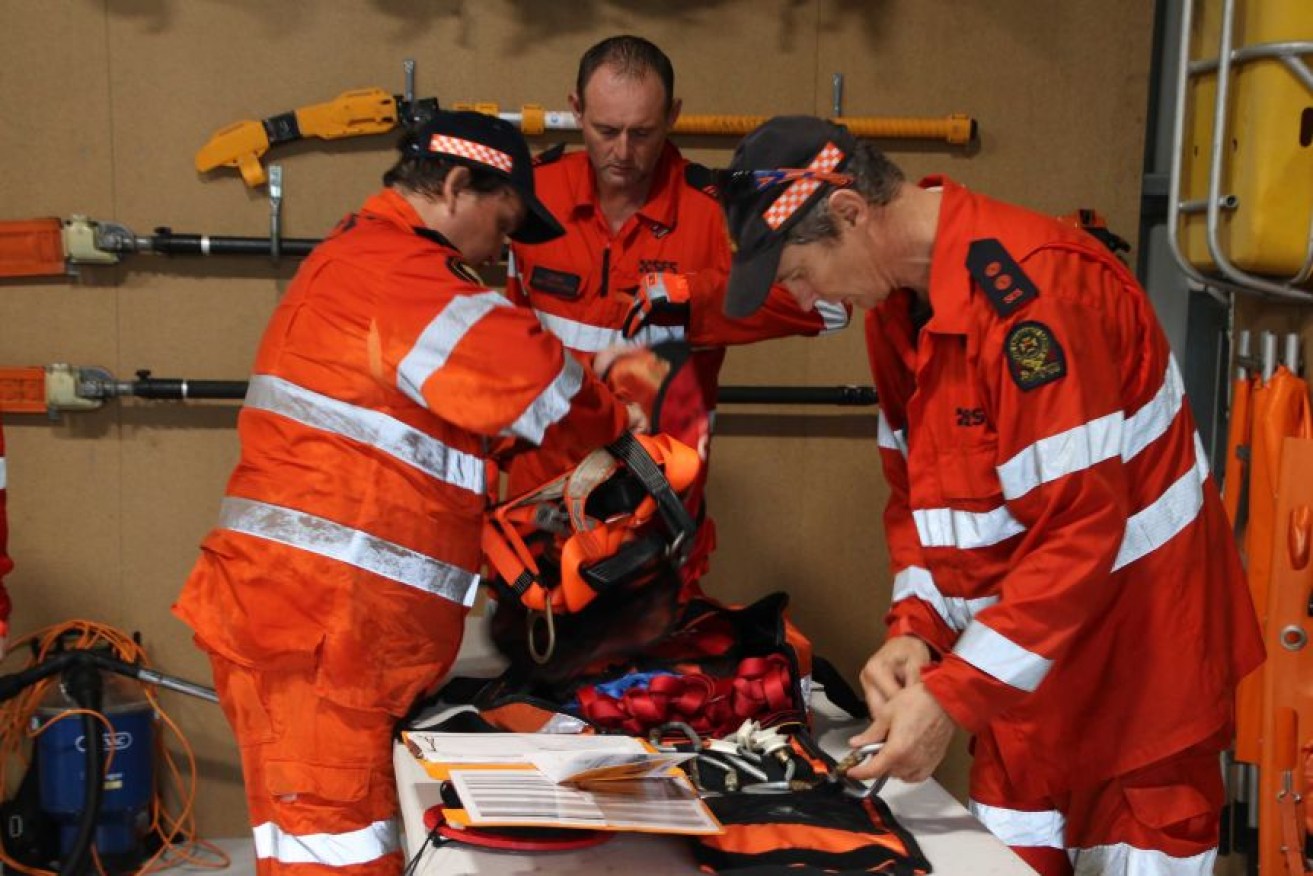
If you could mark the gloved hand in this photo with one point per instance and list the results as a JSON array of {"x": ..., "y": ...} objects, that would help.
[{"x": 661, "y": 299}]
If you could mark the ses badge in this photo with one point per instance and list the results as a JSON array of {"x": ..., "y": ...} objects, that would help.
[{"x": 1034, "y": 355}]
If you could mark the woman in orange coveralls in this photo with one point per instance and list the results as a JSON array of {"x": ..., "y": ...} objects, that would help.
[
  {"x": 1065, "y": 583},
  {"x": 334, "y": 589}
]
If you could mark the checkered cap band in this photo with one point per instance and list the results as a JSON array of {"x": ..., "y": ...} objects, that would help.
[
  {"x": 471, "y": 150},
  {"x": 800, "y": 190}
]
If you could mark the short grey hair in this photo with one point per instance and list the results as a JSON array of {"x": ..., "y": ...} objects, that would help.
[{"x": 875, "y": 178}]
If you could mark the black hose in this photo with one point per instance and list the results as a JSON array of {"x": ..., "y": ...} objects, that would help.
[
  {"x": 83, "y": 684},
  {"x": 179, "y": 388},
  {"x": 166, "y": 242},
  {"x": 847, "y": 396},
  {"x": 844, "y": 396}
]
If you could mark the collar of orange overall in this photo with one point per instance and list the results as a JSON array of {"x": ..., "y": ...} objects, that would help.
[
  {"x": 950, "y": 281},
  {"x": 390, "y": 206},
  {"x": 662, "y": 205}
]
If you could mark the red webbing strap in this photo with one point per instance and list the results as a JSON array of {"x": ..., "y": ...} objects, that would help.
[
  {"x": 762, "y": 689},
  {"x": 763, "y": 685}
]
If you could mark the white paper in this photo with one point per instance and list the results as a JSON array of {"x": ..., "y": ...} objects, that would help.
[
  {"x": 509, "y": 748},
  {"x": 599, "y": 766},
  {"x": 527, "y": 798}
]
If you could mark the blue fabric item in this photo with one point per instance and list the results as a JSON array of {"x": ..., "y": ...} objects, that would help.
[{"x": 617, "y": 686}]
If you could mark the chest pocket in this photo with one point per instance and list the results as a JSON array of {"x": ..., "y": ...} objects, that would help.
[{"x": 964, "y": 435}]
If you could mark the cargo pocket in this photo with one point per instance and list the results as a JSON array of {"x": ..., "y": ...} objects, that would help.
[
  {"x": 317, "y": 782},
  {"x": 243, "y": 703},
  {"x": 1181, "y": 801}
]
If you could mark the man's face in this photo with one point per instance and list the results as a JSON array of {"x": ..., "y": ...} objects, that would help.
[
  {"x": 840, "y": 270},
  {"x": 481, "y": 223},
  {"x": 624, "y": 121}
]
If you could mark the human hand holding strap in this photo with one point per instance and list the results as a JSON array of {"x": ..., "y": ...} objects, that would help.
[{"x": 661, "y": 299}]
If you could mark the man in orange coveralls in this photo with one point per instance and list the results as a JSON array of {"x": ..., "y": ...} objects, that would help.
[
  {"x": 645, "y": 256},
  {"x": 6, "y": 564},
  {"x": 335, "y": 587},
  {"x": 1066, "y": 587}
]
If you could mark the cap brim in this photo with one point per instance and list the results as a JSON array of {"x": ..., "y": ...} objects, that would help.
[
  {"x": 539, "y": 224},
  {"x": 750, "y": 279}
]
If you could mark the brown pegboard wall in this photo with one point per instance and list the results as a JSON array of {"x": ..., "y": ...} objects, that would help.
[{"x": 106, "y": 103}]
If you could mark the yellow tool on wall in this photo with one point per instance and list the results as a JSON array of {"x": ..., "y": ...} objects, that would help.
[
  {"x": 374, "y": 111},
  {"x": 350, "y": 114}
]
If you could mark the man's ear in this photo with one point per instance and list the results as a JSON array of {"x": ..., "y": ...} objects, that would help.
[
  {"x": 848, "y": 207},
  {"x": 576, "y": 107},
  {"x": 672, "y": 115},
  {"x": 456, "y": 181}
]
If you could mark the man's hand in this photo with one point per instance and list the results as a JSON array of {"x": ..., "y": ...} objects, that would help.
[
  {"x": 895, "y": 666},
  {"x": 638, "y": 421},
  {"x": 661, "y": 299},
  {"x": 916, "y": 732}
]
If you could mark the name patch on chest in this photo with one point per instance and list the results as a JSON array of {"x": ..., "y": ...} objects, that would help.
[
  {"x": 657, "y": 266},
  {"x": 557, "y": 283},
  {"x": 1034, "y": 355}
]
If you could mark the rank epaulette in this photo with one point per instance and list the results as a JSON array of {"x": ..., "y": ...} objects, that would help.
[{"x": 999, "y": 276}]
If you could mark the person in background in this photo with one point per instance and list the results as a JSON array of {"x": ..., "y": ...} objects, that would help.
[
  {"x": 1066, "y": 587},
  {"x": 645, "y": 256},
  {"x": 334, "y": 589},
  {"x": 6, "y": 564}
]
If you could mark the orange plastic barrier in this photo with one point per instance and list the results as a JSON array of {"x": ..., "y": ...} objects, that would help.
[{"x": 1288, "y": 676}]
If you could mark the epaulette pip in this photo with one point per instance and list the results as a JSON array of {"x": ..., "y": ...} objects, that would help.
[{"x": 1000, "y": 276}]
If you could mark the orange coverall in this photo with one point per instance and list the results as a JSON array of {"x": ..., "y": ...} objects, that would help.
[
  {"x": 1057, "y": 539},
  {"x": 582, "y": 286},
  {"x": 335, "y": 587},
  {"x": 6, "y": 564}
]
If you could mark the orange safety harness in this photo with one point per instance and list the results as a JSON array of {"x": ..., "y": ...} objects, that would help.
[{"x": 615, "y": 515}]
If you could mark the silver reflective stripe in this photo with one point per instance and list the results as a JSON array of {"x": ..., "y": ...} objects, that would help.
[
  {"x": 593, "y": 338},
  {"x": 993, "y": 653},
  {"x": 4, "y": 474},
  {"x": 316, "y": 535},
  {"x": 551, "y": 405},
  {"x": 834, "y": 316},
  {"x": 374, "y": 428},
  {"x": 948, "y": 527},
  {"x": 957, "y": 612},
  {"x": 511, "y": 270},
  {"x": 329, "y": 849},
  {"x": 1059, "y": 455},
  {"x": 440, "y": 337},
  {"x": 890, "y": 439},
  {"x": 1152, "y": 421},
  {"x": 1178, "y": 507},
  {"x": 1096, "y": 441},
  {"x": 1124, "y": 860},
  {"x": 1016, "y": 827}
]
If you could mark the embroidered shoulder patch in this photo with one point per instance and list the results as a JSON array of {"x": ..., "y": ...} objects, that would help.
[
  {"x": 1034, "y": 355},
  {"x": 463, "y": 270},
  {"x": 999, "y": 276}
]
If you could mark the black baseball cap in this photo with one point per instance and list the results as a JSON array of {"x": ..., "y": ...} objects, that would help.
[
  {"x": 492, "y": 145},
  {"x": 760, "y": 218}
]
